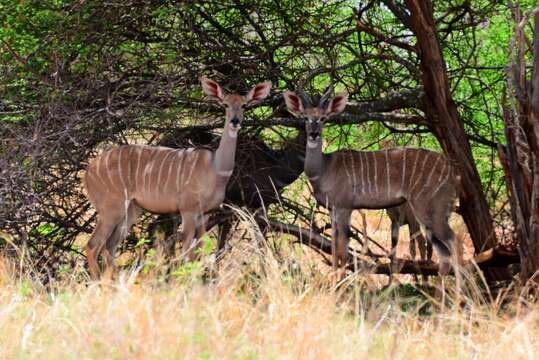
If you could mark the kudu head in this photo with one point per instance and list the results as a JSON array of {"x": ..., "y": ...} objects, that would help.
[
  {"x": 314, "y": 115},
  {"x": 233, "y": 103}
]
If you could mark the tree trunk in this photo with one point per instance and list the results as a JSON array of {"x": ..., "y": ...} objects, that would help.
[
  {"x": 521, "y": 166},
  {"x": 533, "y": 240},
  {"x": 446, "y": 125}
]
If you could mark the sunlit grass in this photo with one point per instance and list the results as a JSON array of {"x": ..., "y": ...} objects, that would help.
[{"x": 253, "y": 305}]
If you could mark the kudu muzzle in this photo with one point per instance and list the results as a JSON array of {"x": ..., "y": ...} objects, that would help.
[
  {"x": 235, "y": 122},
  {"x": 314, "y": 128}
]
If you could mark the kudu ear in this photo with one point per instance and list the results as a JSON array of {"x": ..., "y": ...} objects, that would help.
[
  {"x": 336, "y": 105},
  {"x": 259, "y": 92},
  {"x": 293, "y": 102},
  {"x": 212, "y": 89}
]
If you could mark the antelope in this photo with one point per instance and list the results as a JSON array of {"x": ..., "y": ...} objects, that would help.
[
  {"x": 260, "y": 175},
  {"x": 190, "y": 181},
  {"x": 402, "y": 215},
  {"x": 346, "y": 180}
]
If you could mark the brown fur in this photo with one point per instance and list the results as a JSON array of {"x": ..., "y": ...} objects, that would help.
[
  {"x": 123, "y": 181},
  {"x": 347, "y": 180},
  {"x": 400, "y": 216}
]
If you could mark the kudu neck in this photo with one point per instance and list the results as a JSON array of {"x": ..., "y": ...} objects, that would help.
[
  {"x": 226, "y": 152},
  {"x": 314, "y": 160}
]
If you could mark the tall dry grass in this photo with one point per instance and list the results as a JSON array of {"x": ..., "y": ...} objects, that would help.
[{"x": 255, "y": 305}]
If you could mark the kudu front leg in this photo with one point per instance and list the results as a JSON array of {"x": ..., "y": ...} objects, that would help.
[
  {"x": 395, "y": 226},
  {"x": 194, "y": 226},
  {"x": 341, "y": 229}
]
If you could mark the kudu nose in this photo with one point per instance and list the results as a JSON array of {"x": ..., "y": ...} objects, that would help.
[{"x": 235, "y": 122}]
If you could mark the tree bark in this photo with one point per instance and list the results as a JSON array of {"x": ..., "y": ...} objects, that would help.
[
  {"x": 521, "y": 164},
  {"x": 446, "y": 125},
  {"x": 533, "y": 240}
]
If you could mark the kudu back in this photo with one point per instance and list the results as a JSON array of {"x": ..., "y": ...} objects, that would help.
[
  {"x": 121, "y": 182},
  {"x": 347, "y": 179}
]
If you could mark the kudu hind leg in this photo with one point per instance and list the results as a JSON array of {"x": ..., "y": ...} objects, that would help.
[
  {"x": 102, "y": 232},
  {"x": 395, "y": 226},
  {"x": 443, "y": 238},
  {"x": 120, "y": 232},
  {"x": 439, "y": 234}
]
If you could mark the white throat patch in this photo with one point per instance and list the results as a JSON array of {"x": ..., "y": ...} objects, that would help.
[
  {"x": 233, "y": 133},
  {"x": 312, "y": 144},
  {"x": 225, "y": 173}
]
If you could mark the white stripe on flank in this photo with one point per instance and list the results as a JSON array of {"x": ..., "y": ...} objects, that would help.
[
  {"x": 375, "y": 173},
  {"x": 147, "y": 174},
  {"x": 170, "y": 166},
  {"x": 106, "y": 159},
  {"x": 442, "y": 172},
  {"x": 354, "y": 179},
  {"x": 98, "y": 170},
  {"x": 143, "y": 174},
  {"x": 179, "y": 169},
  {"x": 360, "y": 157},
  {"x": 159, "y": 167},
  {"x": 126, "y": 215},
  {"x": 129, "y": 159},
  {"x": 163, "y": 161},
  {"x": 387, "y": 173},
  {"x": 137, "y": 174},
  {"x": 427, "y": 183},
  {"x": 442, "y": 183},
  {"x": 403, "y": 168},
  {"x": 185, "y": 162},
  {"x": 413, "y": 171},
  {"x": 112, "y": 184},
  {"x": 104, "y": 180},
  {"x": 193, "y": 164},
  {"x": 120, "y": 171},
  {"x": 368, "y": 171},
  {"x": 347, "y": 170},
  {"x": 421, "y": 173}
]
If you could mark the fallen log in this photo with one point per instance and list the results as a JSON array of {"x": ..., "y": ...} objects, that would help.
[
  {"x": 498, "y": 256},
  {"x": 321, "y": 244}
]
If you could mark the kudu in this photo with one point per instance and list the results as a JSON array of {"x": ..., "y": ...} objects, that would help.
[
  {"x": 346, "y": 180},
  {"x": 123, "y": 181},
  {"x": 260, "y": 175},
  {"x": 403, "y": 215}
]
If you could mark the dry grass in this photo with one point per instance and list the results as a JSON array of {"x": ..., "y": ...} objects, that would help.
[{"x": 253, "y": 307}]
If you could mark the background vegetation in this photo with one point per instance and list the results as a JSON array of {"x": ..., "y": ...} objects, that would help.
[
  {"x": 80, "y": 76},
  {"x": 77, "y": 77}
]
